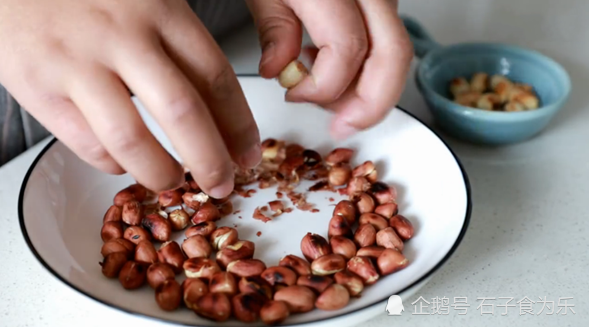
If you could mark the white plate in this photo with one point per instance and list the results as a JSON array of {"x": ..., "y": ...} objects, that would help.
[{"x": 63, "y": 200}]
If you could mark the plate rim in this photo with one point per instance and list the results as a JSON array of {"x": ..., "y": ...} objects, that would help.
[{"x": 426, "y": 276}]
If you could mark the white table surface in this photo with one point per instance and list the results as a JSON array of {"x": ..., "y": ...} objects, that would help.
[{"x": 527, "y": 236}]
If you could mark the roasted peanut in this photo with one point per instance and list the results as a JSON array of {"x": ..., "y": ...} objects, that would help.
[
  {"x": 118, "y": 245},
  {"x": 132, "y": 275},
  {"x": 271, "y": 148},
  {"x": 313, "y": 246},
  {"x": 402, "y": 226},
  {"x": 145, "y": 253},
  {"x": 343, "y": 246},
  {"x": 334, "y": 297},
  {"x": 192, "y": 290},
  {"x": 365, "y": 235},
  {"x": 298, "y": 299},
  {"x": 312, "y": 159},
  {"x": 328, "y": 264},
  {"x": 225, "y": 208},
  {"x": 179, "y": 219},
  {"x": 467, "y": 99},
  {"x": 338, "y": 226},
  {"x": 390, "y": 261},
  {"x": 158, "y": 272},
  {"x": 168, "y": 295},
  {"x": 459, "y": 85},
  {"x": 298, "y": 264},
  {"x": 292, "y": 74},
  {"x": 315, "y": 282},
  {"x": 274, "y": 312},
  {"x": 363, "y": 267},
  {"x": 171, "y": 253},
  {"x": 352, "y": 282},
  {"x": 113, "y": 263},
  {"x": 365, "y": 203},
  {"x": 479, "y": 82},
  {"x": 111, "y": 230},
  {"x": 223, "y": 282},
  {"x": 206, "y": 212},
  {"x": 346, "y": 209},
  {"x": 378, "y": 221},
  {"x": 387, "y": 210},
  {"x": 370, "y": 251},
  {"x": 223, "y": 236},
  {"x": 170, "y": 198},
  {"x": 279, "y": 275},
  {"x": 339, "y": 155},
  {"x": 339, "y": 174},
  {"x": 136, "y": 234},
  {"x": 132, "y": 213},
  {"x": 205, "y": 229},
  {"x": 383, "y": 193},
  {"x": 114, "y": 213},
  {"x": 132, "y": 192},
  {"x": 246, "y": 267},
  {"x": 255, "y": 284},
  {"x": 159, "y": 227},
  {"x": 200, "y": 268},
  {"x": 357, "y": 186},
  {"x": 389, "y": 239},
  {"x": 197, "y": 246},
  {"x": 247, "y": 306},
  {"x": 239, "y": 250},
  {"x": 194, "y": 200},
  {"x": 367, "y": 170},
  {"x": 213, "y": 306}
]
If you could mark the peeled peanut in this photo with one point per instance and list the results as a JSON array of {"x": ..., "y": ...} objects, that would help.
[
  {"x": 298, "y": 299},
  {"x": 292, "y": 74},
  {"x": 132, "y": 212},
  {"x": 389, "y": 239},
  {"x": 343, "y": 246},
  {"x": 279, "y": 275},
  {"x": 363, "y": 267},
  {"x": 206, "y": 212},
  {"x": 255, "y": 284},
  {"x": 459, "y": 85},
  {"x": 339, "y": 174},
  {"x": 346, "y": 209},
  {"x": 328, "y": 264},
  {"x": 390, "y": 261},
  {"x": 247, "y": 306},
  {"x": 378, "y": 221},
  {"x": 246, "y": 267},
  {"x": 514, "y": 106},
  {"x": 113, "y": 263},
  {"x": 168, "y": 295},
  {"x": 132, "y": 192},
  {"x": 370, "y": 251},
  {"x": 192, "y": 290},
  {"x": 365, "y": 203},
  {"x": 527, "y": 99},
  {"x": 200, "y": 268},
  {"x": 159, "y": 227},
  {"x": 171, "y": 253},
  {"x": 145, "y": 252},
  {"x": 170, "y": 198},
  {"x": 271, "y": 149},
  {"x": 365, "y": 235},
  {"x": 383, "y": 193},
  {"x": 488, "y": 101},
  {"x": 338, "y": 226},
  {"x": 132, "y": 275},
  {"x": 498, "y": 79},
  {"x": 367, "y": 170},
  {"x": 223, "y": 236},
  {"x": 387, "y": 210},
  {"x": 357, "y": 186},
  {"x": 214, "y": 306},
  {"x": 118, "y": 245},
  {"x": 205, "y": 229},
  {"x": 136, "y": 234},
  {"x": 333, "y": 298},
  {"x": 197, "y": 246},
  {"x": 223, "y": 282},
  {"x": 352, "y": 282},
  {"x": 313, "y": 246},
  {"x": 479, "y": 82},
  {"x": 114, "y": 213},
  {"x": 402, "y": 226},
  {"x": 194, "y": 200},
  {"x": 315, "y": 282},
  {"x": 298, "y": 264},
  {"x": 179, "y": 219},
  {"x": 239, "y": 250},
  {"x": 158, "y": 272},
  {"x": 274, "y": 312},
  {"x": 111, "y": 230},
  {"x": 467, "y": 99}
]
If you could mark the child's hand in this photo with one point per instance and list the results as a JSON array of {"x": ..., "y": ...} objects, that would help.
[{"x": 69, "y": 63}]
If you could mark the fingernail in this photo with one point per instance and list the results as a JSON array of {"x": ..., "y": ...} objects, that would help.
[
  {"x": 267, "y": 54},
  {"x": 342, "y": 130},
  {"x": 252, "y": 157},
  {"x": 222, "y": 190}
]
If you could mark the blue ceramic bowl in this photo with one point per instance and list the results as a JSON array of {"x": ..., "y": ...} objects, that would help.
[{"x": 439, "y": 64}]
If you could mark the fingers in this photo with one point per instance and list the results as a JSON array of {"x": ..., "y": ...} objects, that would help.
[
  {"x": 180, "y": 111},
  {"x": 212, "y": 75},
  {"x": 382, "y": 80},
  {"x": 280, "y": 35},
  {"x": 105, "y": 103},
  {"x": 337, "y": 29},
  {"x": 66, "y": 123}
]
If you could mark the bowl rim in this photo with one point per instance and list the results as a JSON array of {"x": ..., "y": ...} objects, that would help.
[
  {"x": 449, "y": 105},
  {"x": 425, "y": 277}
]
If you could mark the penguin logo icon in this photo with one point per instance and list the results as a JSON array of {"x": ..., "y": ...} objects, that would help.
[{"x": 394, "y": 306}]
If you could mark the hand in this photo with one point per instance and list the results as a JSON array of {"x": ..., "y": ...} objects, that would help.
[
  {"x": 363, "y": 59},
  {"x": 71, "y": 64}
]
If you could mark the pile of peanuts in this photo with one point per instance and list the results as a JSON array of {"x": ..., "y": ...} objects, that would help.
[
  {"x": 496, "y": 93},
  {"x": 220, "y": 276}
]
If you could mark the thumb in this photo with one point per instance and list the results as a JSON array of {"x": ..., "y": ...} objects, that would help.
[{"x": 280, "y": 35}]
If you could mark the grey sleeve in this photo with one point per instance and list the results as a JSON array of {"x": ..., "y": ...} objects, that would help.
[{"x": 20, "y": 131}]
